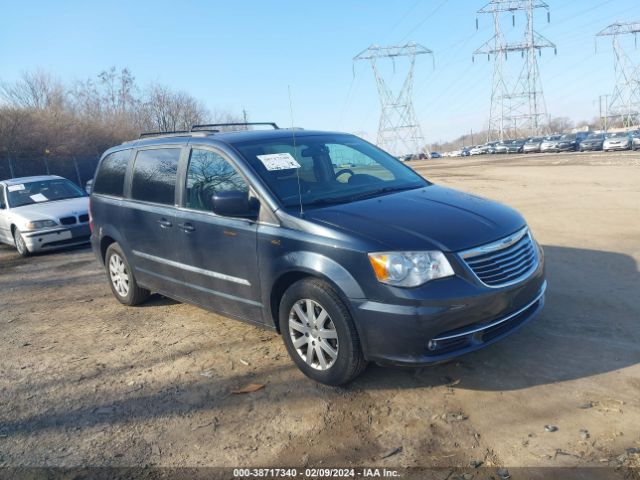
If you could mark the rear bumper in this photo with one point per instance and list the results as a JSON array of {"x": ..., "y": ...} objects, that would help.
[
  {"x": 57, "y": 238},
  {"x": 446, "y": 328}
]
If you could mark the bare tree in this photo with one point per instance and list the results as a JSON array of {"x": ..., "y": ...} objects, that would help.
[
  {"x": 164, "y": 110},
  {"x": 37, "y": 90}
]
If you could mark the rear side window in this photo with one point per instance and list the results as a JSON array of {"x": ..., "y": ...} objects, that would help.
[
  {"x": 154, "y": 175},
  {"x": 110, "y": 176}
]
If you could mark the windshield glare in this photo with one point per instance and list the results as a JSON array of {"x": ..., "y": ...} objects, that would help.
[
  {"x": 332, "y": 169},
  {"x": 42, "y": 191}
]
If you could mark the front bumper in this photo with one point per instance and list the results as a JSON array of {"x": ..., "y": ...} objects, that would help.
[
  {"x": 60, "y": 237},
  {"x": 591, "y": 146},
  {"x": 444, "y": 328},
  {"x": 565, "y": 148},
  {"x": 622, "y": 146}
]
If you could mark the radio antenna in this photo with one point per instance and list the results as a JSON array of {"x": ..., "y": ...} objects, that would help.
[{"x": 293, "y": 135}]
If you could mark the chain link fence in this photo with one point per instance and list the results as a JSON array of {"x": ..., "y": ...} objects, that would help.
[{"x": 77, "y": 169}]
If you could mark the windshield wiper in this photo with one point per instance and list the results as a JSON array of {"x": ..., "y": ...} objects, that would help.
[{"x": 381, "y": 191}]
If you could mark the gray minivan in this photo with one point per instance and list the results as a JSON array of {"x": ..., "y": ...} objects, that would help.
[{"x": 323, "y": 237}]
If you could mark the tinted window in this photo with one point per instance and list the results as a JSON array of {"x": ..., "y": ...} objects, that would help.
[
  {"x": 210, "y": 173},
  {"x": 154, "y": 175},
  {"x": 110, "y": 176}
]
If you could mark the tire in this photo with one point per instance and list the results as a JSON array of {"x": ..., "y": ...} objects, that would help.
[
  {"x": 21, "y": 246},
  {"x": 121, "y": 280},
  {"x": 336, "y": 335}
]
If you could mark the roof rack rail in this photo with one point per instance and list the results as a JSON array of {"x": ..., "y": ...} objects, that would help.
[
  {"x": 160, "y": 134},
  {"x": 209, "y": 126}
]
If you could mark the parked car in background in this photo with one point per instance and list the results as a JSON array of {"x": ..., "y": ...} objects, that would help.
[
  {"x": 516, "y": 146},
  {"x": 532, "y": 145},
  {"x": 43, "y": 213},
  {"x": 354, "y": 278},
  {"x": 635, "y": 140},
  {"x": 490, "y": 147},
  {"x": 435, "y": 155},
  {"x": 548, "y": 144},
  {"x": 593, "y": 141},
  {"x": 501, "y": 147},
  {"x": 477, "y": 150},
  {"x": 617, "y": 141},
  {"x": 569, "y": 142}
]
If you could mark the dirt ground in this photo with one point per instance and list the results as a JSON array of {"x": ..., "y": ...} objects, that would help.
[{"x": 87, "y": 381}]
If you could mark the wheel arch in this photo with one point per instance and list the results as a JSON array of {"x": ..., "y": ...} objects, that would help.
[{"x": 313, "y": 265}]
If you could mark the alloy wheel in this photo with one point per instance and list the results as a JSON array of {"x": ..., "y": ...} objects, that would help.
[
  {"x": 21, "y": 246},
  {"x": 313, "y": 334},
  {"x": 119, "y": 274}
]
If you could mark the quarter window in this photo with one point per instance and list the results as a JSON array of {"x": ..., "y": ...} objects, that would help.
[
  {"x": 110, "y": 177},
  {"x": 154, "y": 175},
  {"x": 208, "y": 174}
]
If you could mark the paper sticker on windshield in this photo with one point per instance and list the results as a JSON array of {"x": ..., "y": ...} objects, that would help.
[
  {"x": 38, "y": 197},
  {"x": 15, "y": 188},
  {"x": 278, "y": 161}
]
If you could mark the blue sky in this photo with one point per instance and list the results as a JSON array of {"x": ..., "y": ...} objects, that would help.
[{"x": 244, "y": 54}]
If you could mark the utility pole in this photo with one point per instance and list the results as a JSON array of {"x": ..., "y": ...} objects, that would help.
[
  {"x": 603, "y": 118},
  {"x": 625, "y": 99},
  {"x": 398, "y": 129},
  {"x": 517, "y": 107}
]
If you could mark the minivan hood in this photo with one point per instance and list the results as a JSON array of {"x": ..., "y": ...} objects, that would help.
[
  {"x": 432, "y": 217},
  {"x": 52, "y": 210}
]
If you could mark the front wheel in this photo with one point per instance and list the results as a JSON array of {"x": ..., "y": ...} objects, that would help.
[
  {"x": 20, "y": 244},
  {"x": 319, "y": 333},
  {"x": 121, "y": 280}
]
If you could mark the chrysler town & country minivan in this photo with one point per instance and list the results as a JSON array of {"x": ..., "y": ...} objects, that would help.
[{"x": 347, "y": 253}]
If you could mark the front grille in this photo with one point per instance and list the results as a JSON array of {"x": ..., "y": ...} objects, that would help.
[
  {"x": 68, "y": 220},
  {"x": 504, "y": 262},
  {"x": 84, "y": 218}
]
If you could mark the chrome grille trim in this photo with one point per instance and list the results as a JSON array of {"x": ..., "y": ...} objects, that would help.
[{"x": 505, "y": 262}]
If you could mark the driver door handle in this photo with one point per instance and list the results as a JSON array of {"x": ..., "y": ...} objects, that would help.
[{"x": 187, "y": 227}]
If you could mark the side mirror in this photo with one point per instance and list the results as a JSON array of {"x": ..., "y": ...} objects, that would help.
[{"x": 235, "y": 203}]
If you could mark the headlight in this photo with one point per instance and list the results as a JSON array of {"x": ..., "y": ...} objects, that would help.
[
  {"x": 409, "y": 269},
  {"x": 37, "y": 224}
]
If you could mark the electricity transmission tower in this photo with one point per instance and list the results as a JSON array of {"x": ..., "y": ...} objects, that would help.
[
  {"x": 625, "y": 99},
  {"x": 398, "y": 130},
  {"x": 517, "y": 107}
]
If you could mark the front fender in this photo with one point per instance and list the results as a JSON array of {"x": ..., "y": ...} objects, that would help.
[
  {"x": 321, "y": 266},
  {"x": 280, "y": 272}
]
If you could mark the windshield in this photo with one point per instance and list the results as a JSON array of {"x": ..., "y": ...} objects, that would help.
[
  {"x": 595, "y": 136},
  {"x": 618, "y": 134},
  {"x": 568, "y": 136},
  {"x": 323, "y": 169},
  {"x": 42, "y": 191}
]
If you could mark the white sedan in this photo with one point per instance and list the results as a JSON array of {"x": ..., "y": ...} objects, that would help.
[{"x": 43, "y": 213}]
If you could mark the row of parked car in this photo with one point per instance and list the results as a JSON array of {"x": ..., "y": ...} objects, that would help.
[{"x": 568, "y": 142}]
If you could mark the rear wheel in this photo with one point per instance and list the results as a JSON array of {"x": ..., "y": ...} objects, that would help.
[
  {"x": 20, "y": 244},
  {"x": 121, "y": 280},
  {"x": 319, "y": 333}
]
